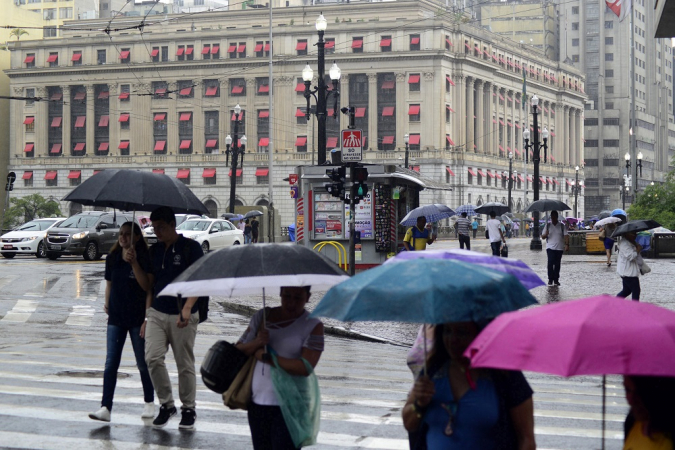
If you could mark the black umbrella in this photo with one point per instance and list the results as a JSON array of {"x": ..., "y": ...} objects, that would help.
[
  {"x": 635, "y": 226},
  {"x": 604, "y": 214},
  {"x": 253, "y": 213},
  {"x": 547, "y": 205},
  {"x": 497, "y": 207},
  {"x": 135, "y": 190}
]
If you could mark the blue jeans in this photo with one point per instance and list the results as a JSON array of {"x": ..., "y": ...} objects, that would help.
[
  {"x": 554, "y": 260},
  {"x": 247, "y": 239},
  {"x": 631, "y": 285},
  {"x": 496, "y": 247},
  {"x": 116, "y": 338}
]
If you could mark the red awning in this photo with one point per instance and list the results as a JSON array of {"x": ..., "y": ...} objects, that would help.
[
  {"x": 79, "y": 147},
  {"x": 414, "y": 139},
  {"x": 415, "y": 40},
  {"x": 75, "y": 174},
  {"x": 28, "y": 147},
  {"x": 50, "y": 175},
  {"x": 472, "y": 172},
  {"x": 211, "y": 143},
  {"x": 543, "y": 180},
  {"x": 241, "y": 48},
  {"x": 263, "y": 113},
  {"x": 234, "y": 117},
  {"x": 302, "y": 45},
  {"x": 481, "y": 173},
  {"x": 124, "y": 54},
  {"x": 185, "y": 91},
  {"x": 450, "y": 109},
  {"x": 52, "y": 58},
  {"x": 237, "y": 89},
  {"x": 124, "y": 118},
  {"x": 209, "y": 173},
  {"x": 447, "y": 41},
  {"x": 360, "y": 112},
  {"x": 388, "y": 139},
  {"x": 499, "y": 175},
  {"x": 28, "y": 120},
  {"x": 258, "y": 48},
  {"x": 264, "y": 142},
  {"x": 330, "y": 43},
  {"x": 79, "y": 122},
  {"x": 357, "y": 43},
  {"x": 480, "y": 52},
  {"x": 385, "y": 42},
  {"x": 413, "y": 110},
  {"x": 529, "y": 178},
  {"x": 466, "y": 44},
  {"x": 413, "y": 79},
  {"x": 159, "y": 145},
  {"x": 56, "y": 148},
  {"x": 299, "y": 113},
  {"x": 332, "y": 142},
  {"x": 80, "y": 95},
  {"x": 450, "y": 171},
  {"x": 449, "y": 80},
  {"x": 267, "y": 47},
  {"x": 157, "y": 170},
  {"x": 123, "y": 96},
  {"x": 180, "y": 51},
  {"x": 185, "y": 144},
  {"x": 211, "y": 91},
  {"x": 103, "y": 95},
  {"x": 387, "y": 111},
  {"x": 183, "y": 173},
  {"x": 160, "y": 116},
  {"x": 490, "y": 174},
  {"x": 29, "y": 59},
  {"x": 27, "y": 175},
  {"x": 206, "y": 49},
  {"x": 264, "y": 88},
  {"x": 123, "y": 145},
  {"x": 501, "y": 149},
  {"x": 103, "y": 121},
  {"x": 262, "y": 172},
  {"x": 232, "y": 48},
  {"x": 447, "y": 138},
  {"x": 239, "y": 172},
  {"x": 76, "y": 57},
  {"x": 56, "y": 96},
  {"x": 555, "y": 181},
  {"x": 103, "y": 147},
  {"x": 300, "y": 87},
  {"x": 520, "y": 177},
  {"x": 300, "y": 141},
  {"x": 160, "y": 91},
  {"x": 416, "y": 168},
  {"x": 184, "y": 117},
  {"x": 388, "y": 84},
  {"x": 518, "y": 152},
  {"x": 215, "y": 49},
  {"x": 189, "y": 50},
  {"x": 154, "y": 52}
]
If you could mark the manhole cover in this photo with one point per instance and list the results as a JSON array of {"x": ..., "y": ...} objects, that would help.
[{"x": 88, "y": 374}]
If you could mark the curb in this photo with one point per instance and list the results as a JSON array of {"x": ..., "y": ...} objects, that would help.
[{"x": 338, "y": 331}]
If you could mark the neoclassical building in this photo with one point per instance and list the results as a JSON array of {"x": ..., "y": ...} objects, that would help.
[{"x": 163, "y": 100}]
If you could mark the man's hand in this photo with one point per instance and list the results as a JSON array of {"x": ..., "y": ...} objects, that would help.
[
  {"x": 142, "y": 333},
  {"x": 185, "y": 315},
  {"x": 105, "y": 308}
]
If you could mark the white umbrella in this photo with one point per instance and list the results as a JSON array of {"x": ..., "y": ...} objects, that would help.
[{"x": 607, "y": 220}]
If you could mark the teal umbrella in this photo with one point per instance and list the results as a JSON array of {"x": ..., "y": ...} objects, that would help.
[{"x": 425, "y": 291}]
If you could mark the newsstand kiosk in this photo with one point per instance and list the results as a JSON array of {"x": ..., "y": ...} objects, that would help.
[{"x": 322, "y": 221}]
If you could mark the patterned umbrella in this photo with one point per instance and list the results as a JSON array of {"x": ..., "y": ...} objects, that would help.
[
  {"x": 468, "y": 209},
  {"x": 433, "y": 213}
]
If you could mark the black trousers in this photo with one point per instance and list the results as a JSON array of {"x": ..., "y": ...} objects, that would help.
[
  {"x": 554, "y": 259},
  {"x": 631, "y": 285},
  {"x": 464, "y": 239},
  {"x": 268, "y": 429}
]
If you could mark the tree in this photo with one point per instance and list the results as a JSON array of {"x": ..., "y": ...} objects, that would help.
[
  {"x": 657, "y": 202},
  {"x": 17, "y": 33},
  {"x": 27, "y": 208}
]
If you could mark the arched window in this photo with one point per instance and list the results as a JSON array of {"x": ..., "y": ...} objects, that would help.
[
  {"x": 75, "y": 208},
  {"x": 212, "y": 207},
  {"x": 262, "y": 202}
]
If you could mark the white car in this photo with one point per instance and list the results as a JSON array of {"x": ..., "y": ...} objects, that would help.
[
  {"x": 28, "y": 238},
  {"x": 212, "y": 234},
  {"x": 149, "y": 231}
]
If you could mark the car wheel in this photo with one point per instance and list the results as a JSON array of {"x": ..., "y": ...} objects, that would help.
[
  {"x": 205, "y": 247},
  {"x": 236, "y": 243},
  {"x": 8, "y": 255},
  {"x": 91, "y": 252},
  {"x": 41, "y": 250},
  {"x": 52, "y": 256}
]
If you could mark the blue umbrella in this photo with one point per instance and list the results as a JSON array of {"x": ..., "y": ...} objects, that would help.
[
  {"x": 468, "y": 209},
  {"x": 618, "y": 212},
  {"x": 433, "y": 213},
  {"x": 425, "y": 291}
]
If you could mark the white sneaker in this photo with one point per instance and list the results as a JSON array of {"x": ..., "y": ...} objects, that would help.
[
  {"x": 102, "y": 414},
  {"x": 148, "y": 411}
]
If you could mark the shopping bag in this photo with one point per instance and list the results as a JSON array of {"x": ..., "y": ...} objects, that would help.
[
  {"x": 300, "y": 402},
  {"x": 239, "y": 393}
]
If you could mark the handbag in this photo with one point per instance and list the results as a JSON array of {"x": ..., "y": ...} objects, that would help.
[
  {"x": 644, "y": 268},
  {"x": 222, "y": 363},
  {"x": 238, "y": 395},
  {"x": 602, "y": 235},
  {"x": 505, "y": 251}
]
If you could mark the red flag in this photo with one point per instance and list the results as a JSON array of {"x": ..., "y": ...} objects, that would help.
[{"x": 620, "y": 7}]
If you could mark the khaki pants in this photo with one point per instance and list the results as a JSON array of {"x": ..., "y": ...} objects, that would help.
[{"x": 160, "y": 332}]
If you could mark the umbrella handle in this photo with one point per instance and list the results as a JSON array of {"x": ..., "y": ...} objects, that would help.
[
  {"x": 424, "y": 333},
  {"x": 604, "y": 409}
]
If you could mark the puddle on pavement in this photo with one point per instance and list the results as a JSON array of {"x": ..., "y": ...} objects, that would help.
[{"x": 88, "y": 374}]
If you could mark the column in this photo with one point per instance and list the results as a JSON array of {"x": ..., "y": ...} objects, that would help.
[
  {"x": 470, "y": 137},
  {"x": 142, "y": 136},
  {"x": 488, "y": 125},
  {"x": 432, "y": 104},
  {"x": 41, "y": 124},
  {"x": 66, "y": 122},
  {"x": 566, "y": 134},
  {"x": 480, "y": 116},
  {"x": 91, "y": 120},
  {"x": 198, "y": 124},
  {"x": 512, "y": 127},
  {"x": 224, "y": 116},
  {"x": 172, "y": 123},
  {"x": 344, "y": 102},
  {"x": 113, "y": 122},
  {"x": 576, "y": 149},
  {"x": 249, "y": 115},
  {"x": 460, "y": 111},
  {"x": 372, "y": 112}
]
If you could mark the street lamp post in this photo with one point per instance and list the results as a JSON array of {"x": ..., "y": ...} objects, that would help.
[
  {"x": 406, "y": 139},
  {"x": 576, "y": 191},
  {"x": 535, "y": 146},
  {"x": 234, "y": 150},
  {"x": 321, "y": 93},
  {"x": 623, "y": 192},
  {"x": 510, "y": 185}
]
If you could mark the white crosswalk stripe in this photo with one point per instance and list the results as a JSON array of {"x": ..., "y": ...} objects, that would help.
[{"x": 21, "y": 311}]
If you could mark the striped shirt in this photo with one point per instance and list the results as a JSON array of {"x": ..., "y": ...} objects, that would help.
[{"x": 463, "y": 224}]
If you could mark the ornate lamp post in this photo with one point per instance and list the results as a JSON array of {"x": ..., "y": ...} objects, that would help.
[
  {"x": 576, "y": 188},
  {"x": 510, "y": 184},
  {"x": 321, "y": 93},
  {"x": 234, "y": 150},
  {"x": 406, "y": 139},
  {"x": 535, "y": 146}
]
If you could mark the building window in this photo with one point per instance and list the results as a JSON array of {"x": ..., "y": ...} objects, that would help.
[
  {"x": 30, "y": 60},
  {"x": 575, "y": 58},
  {"x": 53, "y": 59},
  {"x": 575, "y": 42},
  {"x": 65, "y": 13},
  {"x": 237, "y": 87},
  {"x": 575, "y": 10},
  {"x": 575, "y": 26},
  {"x": 125, "y": 56},
  {"x": 609, "y": 40},
  {"x": 76, "y": 179},
  {"x": 100, "y": 57},
  {"x": 159, "y": 89},
  {"x": 263, "y": 48},
  {"x": 609, "y": 24},
  {"x": 262, "y": 175},
  {"x": 29, "y": 121},
  {"x": 414, "y": 42},
  {"x": 609, "y": 56},
  {"x": 301, "y": 144},
  {"x": 609, "y": 73},
  {"x": 77, "y": 58},
  {"x": 329, "y": 48},
  {"x": 301, "y": 47},
  {"x": 209, "y": 177},
  {"x": 185, "y": 89},
  {"x": 301, "y": 116},
  {"x": 211, "y": 88},
  {"x": 28, "y": 178},
  {"x": 29, "y": 150},
  {"x": 190, "y": 52},
  {"x": 211, "y": 129},
  {"x": 385, "y": 44},
  {"x": 165, "y": 53},
  {"x": 51, "y": 178},
  {"x": 125, "y": 90},
  {"x": 49, "y": 13},
  {"x": 262, "y": 86},
  {"x": 30, "y": 95},
  {"x": 180, "y": 53},
  {"x": 414, "y": 82},
  {"x": 49, "y": 32},
  {"x": 215, "y": 51},
  {"x": 357, "y": 44},
  {"x": 124, "y": 120},
  {"x": 154, "y": 54},
  {"x": 609, "y": 105},
  {"x": 124, "y": 148},
  {"x": 414, "y": 113}
]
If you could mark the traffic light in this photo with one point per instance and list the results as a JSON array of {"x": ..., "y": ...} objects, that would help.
[
  {"x": 360, "y": 186},
  {"x": 338, "y": 176}
]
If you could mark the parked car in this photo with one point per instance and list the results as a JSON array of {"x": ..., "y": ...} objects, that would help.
[
  {"x": 28, "y": 238},
  {"x": 149, "y": 231},
  {"x": 212, "y": 234},
  {"x": 90, "y": 234}
]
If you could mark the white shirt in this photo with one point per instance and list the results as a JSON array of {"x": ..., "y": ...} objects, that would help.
[
  {"x": 627, "y": 262},
  {"x": 556, "y": 236},
  {"x": 493, "y": 227}
]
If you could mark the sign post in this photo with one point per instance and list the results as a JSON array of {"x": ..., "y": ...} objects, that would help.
[
  {"x": 11, "y": 177},
  {"x": 352, "y": 153},
  {"x": 352, "y": 145}
]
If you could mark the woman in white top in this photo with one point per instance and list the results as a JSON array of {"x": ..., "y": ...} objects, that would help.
[
  {"x": 293, "y": 335},
  {"x": 627, "y": 266}
]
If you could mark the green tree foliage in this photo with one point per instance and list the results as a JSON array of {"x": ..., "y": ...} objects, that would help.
[
  {"x": 17, "y": 33},
  {"x": 657, "y": 202},
  {"x": 27, "y": 208}
]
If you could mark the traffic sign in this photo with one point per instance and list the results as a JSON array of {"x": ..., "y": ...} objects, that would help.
[
  {"x": 11, "y": 177},
  {"x": 352, "y": 145},
  {"x": 292, "y": 178}
]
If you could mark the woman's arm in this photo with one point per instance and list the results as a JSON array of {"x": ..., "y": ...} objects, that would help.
[
  {"x": 106, "y": 305},
  {"x": 140, "y": 274},
  {"x": 522, "y": 417},
  {"x": 295, "y": 366},
  {"x": 418, "y": 400}
]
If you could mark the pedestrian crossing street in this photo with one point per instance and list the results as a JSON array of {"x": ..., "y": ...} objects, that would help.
[{"x": 52, "y": 351}]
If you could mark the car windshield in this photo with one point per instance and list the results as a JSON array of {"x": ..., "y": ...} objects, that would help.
[
  {"x": 80, "y": 222},
  {"x": 180, "y": 220},
  {"x": 194, "y": 225},
  {"x": 36, "y": 225}
]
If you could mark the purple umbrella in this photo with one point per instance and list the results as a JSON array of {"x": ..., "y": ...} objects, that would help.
[{"x": 517, "y": 268}]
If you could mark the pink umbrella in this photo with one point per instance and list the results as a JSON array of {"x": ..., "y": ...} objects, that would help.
[{"x": 593, "y": 336}]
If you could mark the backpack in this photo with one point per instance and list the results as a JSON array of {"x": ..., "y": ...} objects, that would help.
[{"x": 202, "y": 302}]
